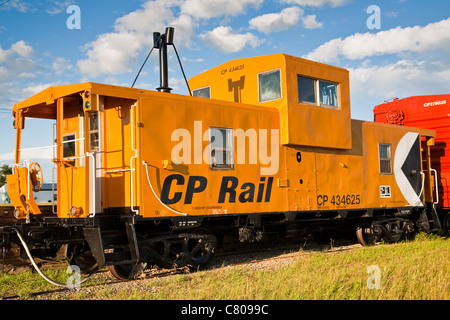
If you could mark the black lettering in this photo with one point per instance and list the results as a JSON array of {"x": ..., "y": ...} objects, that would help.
[
  {"x": 261, "y": 189},
  {"x": 191, "y": 188},
  {"x": 166, "y": 189},
  {"x": 224, "y": 189},
  {"x": 322, "y": 200},
  {"x": 248, "y": 195},
  {"x": 268, "y": 189}
]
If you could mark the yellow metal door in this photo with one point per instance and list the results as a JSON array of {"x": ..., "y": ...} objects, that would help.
[
  {"x": 71, "y": 160},
  {"x": 300, "y": 179}
]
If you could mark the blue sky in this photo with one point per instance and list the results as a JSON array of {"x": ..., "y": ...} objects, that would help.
[{"x": 408, "y": 55}]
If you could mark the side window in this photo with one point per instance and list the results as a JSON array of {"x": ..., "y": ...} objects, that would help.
[
  {"x": 202, "y": 92},
  {"x": 221, "y": 149},
  {"x": 328, "y": 93},
  {"x": 93, "y": 131},
  {"x": 69, "y": 147},
  {"x": 306, "y": 90},
  {"x": 317, "y": 92},
  {"x": 269, "y": 85},
  {"x": 385, "y": 158}
]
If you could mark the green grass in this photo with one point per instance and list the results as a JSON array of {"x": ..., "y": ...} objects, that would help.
[
  {"x": 411, "y": 270},
  {"x": 25, "y": 284}
]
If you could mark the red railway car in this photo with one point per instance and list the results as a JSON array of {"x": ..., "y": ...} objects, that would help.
[{"x": 428, "y": 112}]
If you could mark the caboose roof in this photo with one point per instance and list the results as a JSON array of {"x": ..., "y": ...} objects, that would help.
[{"x": 43, "y": 104}]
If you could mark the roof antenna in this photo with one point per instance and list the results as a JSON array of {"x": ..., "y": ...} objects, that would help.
[{"x": 161, "y": 41}]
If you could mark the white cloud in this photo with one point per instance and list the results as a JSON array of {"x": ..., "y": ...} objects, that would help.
[
  {"x": 118, "y": 51},
  {"x": 9, "y": 156},
  {"x": 18, "y": 50},
  {"x": 184, "y": 30},
  {"x": 394, "y": 41},
  {"x": 16, "y": 61},
  {"x": 111, "y": 53},
  {"x": 418, "y": 63},
  {"x": 37, "y": 154},
  {"x": 114, "y": 53},
  {"x": 18, "y": 5},
  {"x": 317, "y": 3},
  {"x": 36, "y": 88},
  {"x": 206, "y": 9},
  {"x": 60, "y": 65},
  {"x": 226, "y": 40},
  {"x": 287, "y": 19},
  {"x": 310, "y": 22},
  {"x": 22, "y": 49},
  {"x": 274, "y": 22},
  {"x": 400, "y": 79},
  {"x": 22, "y": 73},
  {"x": 150, "y": 18},
  {"x": 59, "y": 7},
  {"x": 371, "y": 85}
]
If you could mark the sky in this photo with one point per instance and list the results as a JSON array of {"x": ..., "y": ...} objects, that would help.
[{"x": 392, "y": 48}]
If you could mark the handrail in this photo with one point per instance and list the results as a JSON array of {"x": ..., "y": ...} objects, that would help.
[
  {"x": 435, "y": 185},
  {"x": 52, "y": 146},
  {"x": 53, "y": 190},
  {"x": 117, "y": 171},
  {"x": 91, "y": 155},
  {"x": 28, "y": 177},
  {"x": 135, "y": 211}
]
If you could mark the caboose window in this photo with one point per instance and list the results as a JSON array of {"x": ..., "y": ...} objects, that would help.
[
  {"x": 202, "y": 92},
  {"x": 93, "y": 131},
  {"x": 328, "y": 93},
  {"x": 306, "y": 90},
  {"x": 69, "y": 147},
  {"x": 318, "y": 92},
  {"x": 221, "y": 148},
  {"x": 385, "y": 158},
  {"x": 269, "y": 86}
]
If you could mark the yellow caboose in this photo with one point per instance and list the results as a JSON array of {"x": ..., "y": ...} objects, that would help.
[{"x": 264, "y": 148}]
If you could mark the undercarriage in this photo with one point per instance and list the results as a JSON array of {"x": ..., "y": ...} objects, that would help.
[{"x": 127, "y": 245}]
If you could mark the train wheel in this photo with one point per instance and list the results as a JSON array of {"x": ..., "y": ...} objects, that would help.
[
  {"x": 409, "y": 232},
  {"x": 127, "y": 271},
  {"x": 203, "y": 256},
  {"x": 367, "y": 236},
  {"x": 202, "y": 250}
]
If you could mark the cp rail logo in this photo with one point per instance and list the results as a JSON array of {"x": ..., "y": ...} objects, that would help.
[{"x": 229, "y": 189}]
